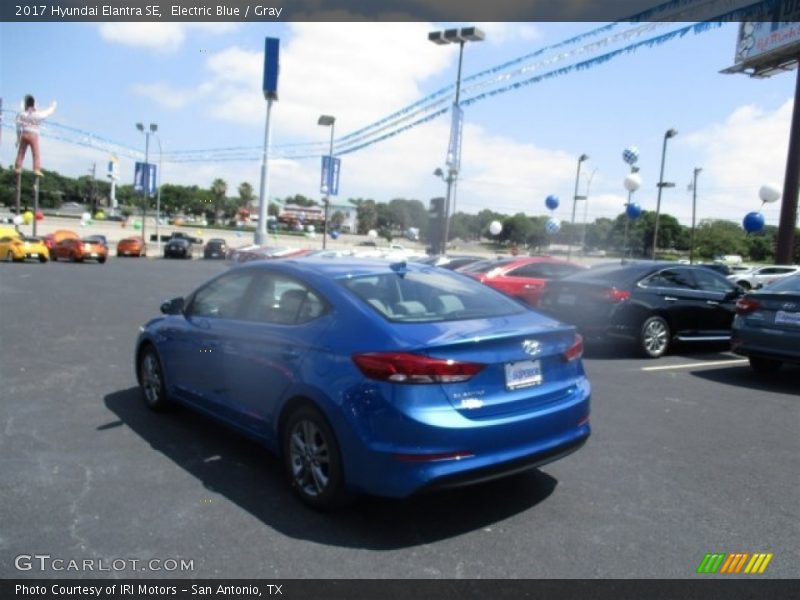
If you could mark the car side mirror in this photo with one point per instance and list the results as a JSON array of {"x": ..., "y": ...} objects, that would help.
[
  {"x": 173, "y": 307},
  {"x": 735, "y": 293},
  {"x": 758, "y": 286}
]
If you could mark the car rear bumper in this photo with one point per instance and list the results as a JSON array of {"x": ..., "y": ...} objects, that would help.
[
  {"x": 421, "y": 455},
  {"x": 774, "y": 344}
]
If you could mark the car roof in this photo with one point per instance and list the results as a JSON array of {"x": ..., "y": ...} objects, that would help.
[{"x": 337, "y": 267}]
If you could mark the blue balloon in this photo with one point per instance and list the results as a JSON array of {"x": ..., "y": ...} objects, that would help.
[
  {"x": 551, "y": 202},
  {"x": 334, "y": 235},
  {"x": 753, "y": 222},
  {"x": 630, "y": 155},
  {"x": 633, "y": 210},
  {"x": 552, "y": 226}
]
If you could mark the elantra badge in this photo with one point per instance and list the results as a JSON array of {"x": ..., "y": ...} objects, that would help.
[{"x": 531, "y": 347}]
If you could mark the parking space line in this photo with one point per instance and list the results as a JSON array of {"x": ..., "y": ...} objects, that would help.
[{"x": 714, "y": 363}]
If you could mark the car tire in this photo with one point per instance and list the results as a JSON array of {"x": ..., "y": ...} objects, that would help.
[
  {"x": 101, "y": 260},
  {"x": 764, "y": 366},
  {"x": 42, "y": 259},
  {"x": 9, "y": 256},
  {"x": 654, "y": 337},
  {"x": 312, "y": 460},
  {"x": 151, "y": 380}
]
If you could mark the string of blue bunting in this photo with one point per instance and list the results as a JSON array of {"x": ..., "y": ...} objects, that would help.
[{"x": 366, "y": 136}]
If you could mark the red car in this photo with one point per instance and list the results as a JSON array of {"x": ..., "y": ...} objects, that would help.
[{"x": 523, "y": 277}]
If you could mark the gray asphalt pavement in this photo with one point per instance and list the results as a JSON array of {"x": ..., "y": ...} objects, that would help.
[{"x": 699, "y": 455}]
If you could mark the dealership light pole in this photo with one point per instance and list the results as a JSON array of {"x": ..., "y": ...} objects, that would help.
[
  {"x": 694, "y": 213},
  {"x": 460, "y": 37},
  {"x": 582, "y": 158},
  {"x": 146, "y": 174},
  {"x": 670, "y": 133},
  {"x": 327, "y": 121},
  {"x": 270, "y": 88},
  {"x": 158, "y": 193}
]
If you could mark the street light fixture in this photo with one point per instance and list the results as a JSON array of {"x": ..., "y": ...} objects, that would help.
[
  {"x": 327, "y": 121},
  {"x": 670, "y": 133},
  {"x": 454, "y": 36},
  {"x": 581, "y": 159},
  {"x": 145, "y": 176}
]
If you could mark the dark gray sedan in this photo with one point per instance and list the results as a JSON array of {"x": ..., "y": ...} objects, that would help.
[{"x": 766, "y": 328}]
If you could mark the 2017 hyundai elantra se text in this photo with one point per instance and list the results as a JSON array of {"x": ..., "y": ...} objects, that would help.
[{"x": 366, "y": 376}]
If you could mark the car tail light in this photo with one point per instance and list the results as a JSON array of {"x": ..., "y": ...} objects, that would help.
[
  {"x": 615, "y": 296},
  {"x": 403, "y": 367},
  {"x": 575, "y": 351},
  {"x": 745, "y": 306}
]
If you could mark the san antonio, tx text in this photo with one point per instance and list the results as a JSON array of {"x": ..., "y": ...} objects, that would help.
[{"x": 58, "y": 589}]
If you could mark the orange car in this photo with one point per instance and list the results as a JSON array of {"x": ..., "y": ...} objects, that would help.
[
  {"x": 51, "y": 239},
  {"x": 78, "y": 250},
  {"x": 132, "y": 246}
]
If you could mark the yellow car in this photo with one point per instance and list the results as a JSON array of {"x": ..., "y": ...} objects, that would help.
[{"x": 22, "y": 248}]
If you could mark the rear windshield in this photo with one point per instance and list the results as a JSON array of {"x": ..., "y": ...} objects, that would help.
[
  {"x": 789, "y": 284},
  {"x": 430, "y": 296},
  {"x": 484, "y": 266},
  {"x": 611, "y": 274}
]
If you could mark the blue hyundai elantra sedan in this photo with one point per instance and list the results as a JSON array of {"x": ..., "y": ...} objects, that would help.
[{"x": 371, "y": 377}]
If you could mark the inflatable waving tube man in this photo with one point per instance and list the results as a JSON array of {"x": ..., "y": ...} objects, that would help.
[{"x": 28, "y": 123}]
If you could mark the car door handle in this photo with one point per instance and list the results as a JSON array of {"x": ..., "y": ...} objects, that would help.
[
  {"x": 290, "y": 354},
  {"x": 712, "y": 302},
  {"x": 670, "y": 299}
]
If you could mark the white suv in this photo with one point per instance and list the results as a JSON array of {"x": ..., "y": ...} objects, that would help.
[{"x": 761, "y": 276}]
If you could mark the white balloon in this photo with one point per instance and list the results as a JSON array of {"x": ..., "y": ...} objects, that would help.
[
  {"x": 18, "y": 220},
  {"x": 85, "y": 216},
  {"x": 769, "y": 194},
  {"x": 495, "y": 227},
  {"x": 372, "y": 233},
  {"x": 633, "y": 182},
  {"x": 310, "y": 229}
]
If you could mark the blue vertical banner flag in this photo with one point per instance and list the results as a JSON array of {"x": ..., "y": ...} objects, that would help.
[
  {"x": 454, "y": 148},
  {"x": 271, "y": 68},
  {"x": 144, "y": 177},
  {"x": 334, "y": 187},
  {"x": 329, "y": 179}
]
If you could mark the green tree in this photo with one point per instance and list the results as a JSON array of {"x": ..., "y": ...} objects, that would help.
[
  {"x": 219, "y": 190},
  {"x": 366, "y": 214},
  {"x": 246, "y": 195},
  {"x": 715, "y": 237}
]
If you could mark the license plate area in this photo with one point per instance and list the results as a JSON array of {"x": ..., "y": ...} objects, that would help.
[
  {"x": 787, "y": 318},
  {"x": 524, "y": 373},
  {"x": 566, "y": 299}
]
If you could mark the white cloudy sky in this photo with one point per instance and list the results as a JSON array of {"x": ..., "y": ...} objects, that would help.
[{"x": 202, "y": 84}]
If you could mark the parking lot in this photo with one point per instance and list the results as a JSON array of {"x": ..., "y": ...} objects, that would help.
[{"x": 690, "y": 454}]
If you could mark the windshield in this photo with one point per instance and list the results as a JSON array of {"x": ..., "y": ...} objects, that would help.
[
  {"x": 788, "y": 284},
  {"x": 430, "y": 296},
  {"x": 484, "y": 266}
]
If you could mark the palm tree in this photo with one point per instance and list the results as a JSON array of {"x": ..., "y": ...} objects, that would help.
[{"x": 219, "y": 189}]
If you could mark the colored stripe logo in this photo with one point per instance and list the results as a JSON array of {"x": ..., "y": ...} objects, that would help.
[{"x": 735, "y": 562}]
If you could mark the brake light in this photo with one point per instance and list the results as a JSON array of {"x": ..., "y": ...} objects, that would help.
[
  {"x": 575, "y": 351},
  {"x": 745, "y": 306},
  {"x": 404, "y": 367},
  {"x": 614, "y": 295}
]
